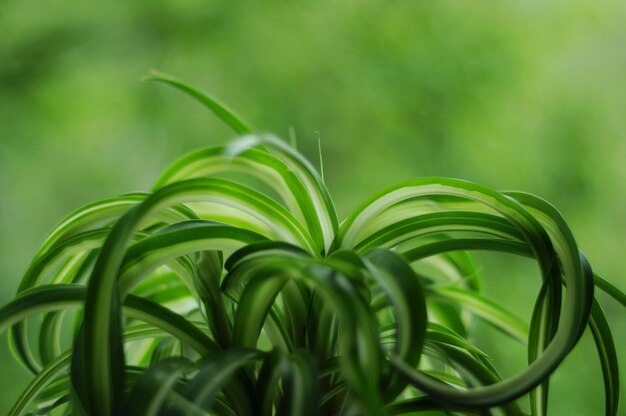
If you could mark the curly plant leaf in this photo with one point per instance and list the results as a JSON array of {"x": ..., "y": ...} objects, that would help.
[{"x": 232, "y": 288}]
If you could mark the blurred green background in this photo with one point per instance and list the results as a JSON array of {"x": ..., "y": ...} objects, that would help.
[{"x": 515, "y": 94}]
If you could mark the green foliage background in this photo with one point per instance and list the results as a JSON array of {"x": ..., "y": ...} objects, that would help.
[{"x": 514, "y": 94}]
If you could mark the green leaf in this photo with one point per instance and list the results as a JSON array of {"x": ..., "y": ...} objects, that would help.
[
  {"x": 427, "y": 404},
  {"x": 487, "y": 310},
  {"x": 310, "y": 178},
  {"x": 56, "y": 370},
  {"x": 62, "y": 297},
  {"x": 214, "y": 373},
  {"x": 259, "y": 165},
  {"x": 610, "y": 289},
  {"x": 406, "y": 295},
  {"x": 219, "y": 109},
  {"x": 608, "y": 358},
  {"x": 151, "y": 391},
  {"x": 299, "y": 378},
  {"x": 178, "y": 240}
]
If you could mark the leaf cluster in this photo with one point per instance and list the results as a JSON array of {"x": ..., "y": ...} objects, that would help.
[{"x": 232, "y": 288}]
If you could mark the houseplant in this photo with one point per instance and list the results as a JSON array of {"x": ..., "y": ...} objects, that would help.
[{"x": 232, "y": 288}]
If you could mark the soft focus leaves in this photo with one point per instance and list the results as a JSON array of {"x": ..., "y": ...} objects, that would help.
[{"x": 517, "y": 95}]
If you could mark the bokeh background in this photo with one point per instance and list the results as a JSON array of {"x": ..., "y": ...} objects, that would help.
[{"x": 516, "y": 94}]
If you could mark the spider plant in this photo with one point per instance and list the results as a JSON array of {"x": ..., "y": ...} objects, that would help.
[{"x": 233, "y": 289}]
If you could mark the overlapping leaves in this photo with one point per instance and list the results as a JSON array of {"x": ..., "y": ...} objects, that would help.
[{"x": 232, "y": 289}]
